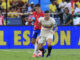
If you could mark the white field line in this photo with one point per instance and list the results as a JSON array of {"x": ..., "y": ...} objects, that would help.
[
  {"x": 16, "y": 51},
  {"x": 31, "y": 52}
]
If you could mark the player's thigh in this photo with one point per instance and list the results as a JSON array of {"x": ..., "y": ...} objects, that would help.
[
  {"x": 34, "y": 37},
  {"x": 33, "y": 40},
  {"x": 40, "y": 45},
  {"x": 41, "y": 41},
  {"x": 38, "y": 35},
  {"x": 49, "y": 40},
  {"x": 37, "y": 39}
]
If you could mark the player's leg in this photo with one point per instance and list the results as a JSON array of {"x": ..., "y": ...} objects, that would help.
[
  {"x": 49, "y": 42},
  {"x": 33, "y": 40},
  {"x": 34, "y": 37},
  {"x": 35, "y": 44},
  {"x": 38, "y": 36},
  {"x": 40, "y": 45},
  {"x": 35, "y": 48}
]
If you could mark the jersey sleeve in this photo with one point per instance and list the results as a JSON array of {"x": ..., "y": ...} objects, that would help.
[{"x": 54, "y": 22}]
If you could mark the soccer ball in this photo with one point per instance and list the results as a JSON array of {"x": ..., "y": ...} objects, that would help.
[{"x": 39, "y": 54}]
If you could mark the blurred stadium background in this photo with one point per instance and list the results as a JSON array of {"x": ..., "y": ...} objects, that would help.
[
  {"x": 12, "y": 11},
  {"x": 56, "y": 8}
]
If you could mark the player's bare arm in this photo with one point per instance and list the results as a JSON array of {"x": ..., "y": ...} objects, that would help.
[{"x": 56, "y": 28}]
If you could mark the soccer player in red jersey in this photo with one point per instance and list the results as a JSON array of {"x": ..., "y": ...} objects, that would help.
[{"x": 36, "y": 33}]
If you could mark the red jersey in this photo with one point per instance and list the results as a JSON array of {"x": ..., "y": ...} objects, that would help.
[
  {"x": 37, "y": 16},
  {"x": 1, "y": 20}
]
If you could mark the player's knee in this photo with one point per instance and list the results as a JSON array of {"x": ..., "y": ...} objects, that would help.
[
  {"x": 39, "y": 46},
  {"x": 37, "y": 39},
  {"x": 33, "y": 41},
  {"x": 49, "y": 43}
]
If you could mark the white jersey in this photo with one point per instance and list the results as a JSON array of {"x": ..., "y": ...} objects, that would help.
[{"x": 47, "y": 25}]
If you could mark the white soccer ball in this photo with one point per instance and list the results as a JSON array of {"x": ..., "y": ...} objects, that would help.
[{"x": 39, "y": 54}]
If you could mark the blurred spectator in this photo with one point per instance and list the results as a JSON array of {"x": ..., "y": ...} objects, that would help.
[
  {"x": 29, "y": 8},
  {"x": 12, "y": 13},
  {"x": 20, "y": 3},
  {"x": 52, "y": 7},
  {"x": 69, "y": 6},
  {"x": 61, "y": 10},
  {"x": 59, "y": 1},
  {"x": 25, "y": 1},
  {"x": 24, "y": 19},
  {"x": 13, "y": 3},
  {"x": 76, "y": 9},
  {"x": 1, "y": 18},
  {"x": 76, "y": 19},
  {"x": 9, "y": 1},
  {"x": 0, "y": 4},
  {"x": 62, "y": 5},
  {"x": 57, "y": 6},
  {"x": 67, "y": 17},
  {"x": 3, "y": 5},
  {"x": 25, "y": 7},
  {"x": 30, "y": 20},
  {"x": 78, "y": 3},
  {"x": 24, "y": 10},
  {"x": 32, "y": 6},
  {"x": 0, "y": 8}
]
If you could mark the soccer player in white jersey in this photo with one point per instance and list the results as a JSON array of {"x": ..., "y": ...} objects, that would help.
[{"x": 47, "y": 23}]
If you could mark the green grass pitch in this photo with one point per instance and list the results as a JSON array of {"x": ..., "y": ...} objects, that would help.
[{"x": 26, "y": 54}]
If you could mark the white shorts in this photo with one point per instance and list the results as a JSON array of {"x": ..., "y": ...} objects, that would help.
[{"x": 44, "y": 39}]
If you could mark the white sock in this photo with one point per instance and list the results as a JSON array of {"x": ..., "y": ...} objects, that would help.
[{"x": 35, "y": 48}]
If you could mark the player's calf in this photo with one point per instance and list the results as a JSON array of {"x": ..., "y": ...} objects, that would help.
[
  {"x": 35, "y": 48},
  {"x": 40, "y": 46},
  {"x": 49, "y": 47}
]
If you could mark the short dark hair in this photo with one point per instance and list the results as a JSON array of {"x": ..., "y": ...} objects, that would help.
[
  {"x": 66, "y": 8},
  {"x": 47, "y": 11},
  {"x": 37, "y": 5}
]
